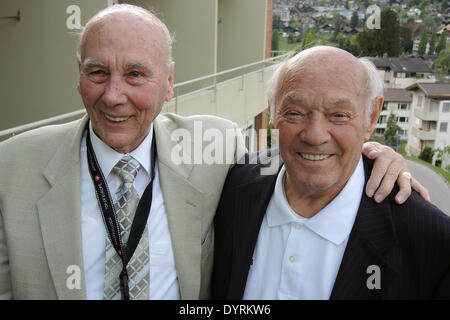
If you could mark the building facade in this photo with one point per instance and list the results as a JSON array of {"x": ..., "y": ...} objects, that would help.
[
  {"x": 402, "y": 72},
  {"x": 397, "y": 102},
  {"x": 430, "y": 118}
]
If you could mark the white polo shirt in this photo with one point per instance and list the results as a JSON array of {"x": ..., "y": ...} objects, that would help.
[{"x": 299, "y": 258}]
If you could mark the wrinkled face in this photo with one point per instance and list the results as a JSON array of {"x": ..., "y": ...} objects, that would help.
[
  {"x": 125, "y": 79},
  {"x": 321, "y": 121}
]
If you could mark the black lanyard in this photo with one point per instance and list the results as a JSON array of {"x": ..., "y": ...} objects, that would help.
[{"x": 109, "y": 215}]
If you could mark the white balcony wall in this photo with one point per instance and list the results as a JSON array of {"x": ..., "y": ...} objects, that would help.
[{"x": 238, "y": 99}]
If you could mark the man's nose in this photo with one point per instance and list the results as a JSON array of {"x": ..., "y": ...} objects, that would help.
[
  {"x": 114, "y": 92},
  {"x": 316, "y": 130}
]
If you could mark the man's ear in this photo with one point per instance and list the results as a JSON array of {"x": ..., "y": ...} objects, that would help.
[
  {"x": 376, "y": 110},
  {"x": 79, "y": 74},
  {"x": 170, "y": 80},
  {"x": 272, "y": 120}
]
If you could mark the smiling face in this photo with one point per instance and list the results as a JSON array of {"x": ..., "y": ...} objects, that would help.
[
  {"x": 125, "y": 77},
  {"x": 320, "y": 116}
]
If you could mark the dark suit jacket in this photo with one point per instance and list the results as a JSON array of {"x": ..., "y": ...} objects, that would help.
[{"x": 410, "y": 243}]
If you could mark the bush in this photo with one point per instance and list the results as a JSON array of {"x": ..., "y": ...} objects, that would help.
[{"x": 427, "y": 154}]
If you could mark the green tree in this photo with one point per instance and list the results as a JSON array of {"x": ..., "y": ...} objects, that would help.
[
  {"x": 441, "y": 152},
  {"x": 442, "y": 42},
  {"x": 347, "y": 6},
  {"x": 444, "y": 60},
  {"x": 427, "y": 154},
  {"x": 269, "y": 134},
  {"x": 337, "y": 25},
  {"x": 351, "y": 45},
  {"x": 340, "y": 40},
  {"x": 432, "y": 47},
  {"x": 355, "y": 20},
  {"x": 406, "y": 39},
  {"x": 423, "y": 4},
  {"x": 275, "y": 40},
  {"x": 308, "y": 40},
  {"x": 276, "y": 22},
  {"x": 423, "y": 43},
  {"x": 376, "y": 42},
  {"x": 366, "y": 4},
  {"x": 391, "y": 130},
  {"x": 294, "y": 23},
  {"x": 291, "y": 38}
]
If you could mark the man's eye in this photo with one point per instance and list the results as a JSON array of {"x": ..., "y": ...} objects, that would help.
[
  {"x": 341, "y": 117},
  {"x": 98, "y": 72},
  {"x": 294, "y": 114},
  {"x": 135, "y": 74}
]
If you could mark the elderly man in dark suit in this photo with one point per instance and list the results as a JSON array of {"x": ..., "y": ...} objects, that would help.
[{"x": 309, "y": 231}]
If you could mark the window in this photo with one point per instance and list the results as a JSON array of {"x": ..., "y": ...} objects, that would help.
[
  {"x": 403, "y": 106},
  {"x": 446, "y": 107},
  {"x": 432, "y": 125},
  {"x": 443, "y": 127},
  {"x": 382, "y": 119},
  {"x": 403, "y": 119}
]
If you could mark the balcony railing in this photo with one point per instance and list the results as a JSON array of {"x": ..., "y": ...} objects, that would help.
[
  {"x": 423, "y": 114},
  {"x": 424, "y": 134},
  {"x": 214, "y": 86}
]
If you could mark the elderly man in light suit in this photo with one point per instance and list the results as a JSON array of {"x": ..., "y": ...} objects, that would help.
[{"x": 54, "y": 243}]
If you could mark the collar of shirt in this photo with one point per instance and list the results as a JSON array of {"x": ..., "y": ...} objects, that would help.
[
  {"x": 335, "y": 221},
  {"x": 109, "y": 157}
]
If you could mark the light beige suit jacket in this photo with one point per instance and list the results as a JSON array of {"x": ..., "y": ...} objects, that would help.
[{"x": 40, "y": 208}]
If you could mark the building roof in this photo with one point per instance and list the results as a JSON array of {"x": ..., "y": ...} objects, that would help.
[
  {"x": 380, "y": 62},
  {"x": 400, "y": 95},
  {"x": 412, "y": 65},
  {"x": 406, "y": 64},
  {"x": 439, "y": 91}
]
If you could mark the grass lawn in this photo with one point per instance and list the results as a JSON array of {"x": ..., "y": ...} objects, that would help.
[{"x": 441, "y": 171}]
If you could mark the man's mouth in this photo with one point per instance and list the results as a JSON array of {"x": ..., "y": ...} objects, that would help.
[
  {"x": 116, "y": 119},
  {"x": 314, "y": 157}
]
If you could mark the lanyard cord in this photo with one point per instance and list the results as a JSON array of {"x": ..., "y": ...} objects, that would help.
[{"x": 109, "y": 216}]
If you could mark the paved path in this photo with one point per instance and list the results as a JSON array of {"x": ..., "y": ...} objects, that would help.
[{"x": 434, "y": 182}]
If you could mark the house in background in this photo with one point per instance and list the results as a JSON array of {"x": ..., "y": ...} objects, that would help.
[
  {"x": 429, "y": 119},
  {"x": 398, "y": 102},
  {"x": 402, "y": 72}
]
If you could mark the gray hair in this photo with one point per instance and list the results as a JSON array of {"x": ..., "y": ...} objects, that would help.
[
  {"x": 125, "y": 8},
  {"x": 374, "y": 85}
]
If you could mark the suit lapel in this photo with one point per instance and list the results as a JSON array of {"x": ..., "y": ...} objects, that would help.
[
  {"x": 184, "y": 209},
  {"x": 371, "y": 239},
  {"x": 251, "y": 201},
  {"x": 60, "y": 215}
]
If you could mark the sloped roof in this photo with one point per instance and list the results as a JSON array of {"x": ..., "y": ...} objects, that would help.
[
  {"x": 413, "y": 65},
  {"x": 380, "y": 62},
  {"x": 432, "y": 90},
  {"x": 406, "y": 64},
  {"x": 400, "y": 95}
]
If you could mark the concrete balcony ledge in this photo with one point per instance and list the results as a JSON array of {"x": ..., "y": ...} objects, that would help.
[
  {"x": 426, "y": 115},
  {"x": 424, "y": 135}
]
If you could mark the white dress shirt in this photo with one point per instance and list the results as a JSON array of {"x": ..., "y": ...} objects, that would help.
[
  {"x": 299, "y": 258},
  {"x": 163, "y": 275}
]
